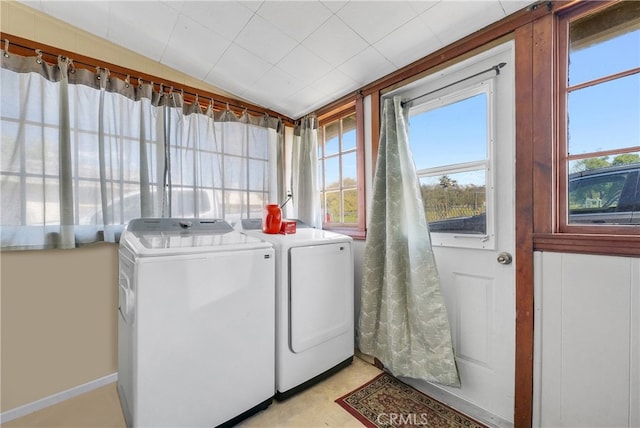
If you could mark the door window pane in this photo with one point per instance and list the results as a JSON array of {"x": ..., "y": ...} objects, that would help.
[
  {"x": 449, "y": 140},
  {"x": 456, "y": 203},
  {"x": 450, "y": 134}
]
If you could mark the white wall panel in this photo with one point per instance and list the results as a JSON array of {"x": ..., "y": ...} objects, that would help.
[{"x": 587, "y": 352}]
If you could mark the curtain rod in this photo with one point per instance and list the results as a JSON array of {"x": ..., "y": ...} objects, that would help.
[
  {"x": 6, "y": 43},
  {"x": 495, "y": 68}
]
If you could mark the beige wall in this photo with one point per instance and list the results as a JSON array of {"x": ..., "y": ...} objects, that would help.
[
  {"x": 59, "y": 307},
  {"x": 59, "y": 320}
]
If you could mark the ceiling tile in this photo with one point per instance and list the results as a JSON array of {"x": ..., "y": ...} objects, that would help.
[
  {"x": 452, "y": 20},
  {"x": 304, "y": 64},
  {"x": 335, "y": 42},
  {"x": 242, "y": 65},
  {"x": 88, "y": 16},
  {"x": 411, "y": 41},
  {"x": 250, "y": 4},
  {"x": 335, "y": 84},
  {"x": 193, "y": 48},
  {"x": 224, "y": 17},
  {"x": 297, "y": 19},
  {"x": 375, "y": 19},
  {"x": 304, "y": 102},
  {"x": 174, "y": 4},
  {"x": 265, "y": 40},
  {"x": 512, "y": 6},
  {"x": 143, "y": 29},
  {"x": 366, "y": 67},
  {"x": 422, "y": 5},
  {"x": 334, "y": 6},
  {"x": 277, "y": 83}
]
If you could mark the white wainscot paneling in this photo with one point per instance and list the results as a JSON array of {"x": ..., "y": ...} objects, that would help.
[{"x": 587, "y": 341}]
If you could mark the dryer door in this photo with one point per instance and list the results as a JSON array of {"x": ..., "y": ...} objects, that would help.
[{"x": 321, "y": 294}]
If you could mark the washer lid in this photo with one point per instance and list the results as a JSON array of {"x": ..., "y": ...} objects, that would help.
[
  {"x": 302, "y": 237},
  {"x": 170, "y": 236}
]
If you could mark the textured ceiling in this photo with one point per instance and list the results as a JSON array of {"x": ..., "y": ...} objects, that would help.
[{"x": 289, "y": 56}]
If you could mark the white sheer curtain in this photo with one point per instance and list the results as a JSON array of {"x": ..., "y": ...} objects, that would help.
[
  {"x": 403, "y": 320},
  {"x": 304, "y": 172},
  {"x": 83, "y": 153}
]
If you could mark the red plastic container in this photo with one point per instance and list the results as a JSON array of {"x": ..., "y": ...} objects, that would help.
[
  {"x": 272, "y": 219},
  {"x": 288, "y": 227}
]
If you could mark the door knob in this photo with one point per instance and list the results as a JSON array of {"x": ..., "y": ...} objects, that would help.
[{"x": 505, "y": 258}]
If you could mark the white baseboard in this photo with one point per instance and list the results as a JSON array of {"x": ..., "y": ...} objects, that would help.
[{"x": 59, "y": 397}]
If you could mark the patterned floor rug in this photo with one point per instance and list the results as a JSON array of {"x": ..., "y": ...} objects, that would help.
[{"x": 387, "y": 402}]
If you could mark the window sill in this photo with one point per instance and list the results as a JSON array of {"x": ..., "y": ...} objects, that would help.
[
  {"x": 611, "y": 245},
  {"x": 353, "y": 232}
]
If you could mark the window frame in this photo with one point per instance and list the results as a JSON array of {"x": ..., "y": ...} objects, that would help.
[
  {"x": 562, "y": 155},
  {"x": 354, "y": 107},
  {"x": 463, "y": 92},
  {"x": 541, "y": 140}
]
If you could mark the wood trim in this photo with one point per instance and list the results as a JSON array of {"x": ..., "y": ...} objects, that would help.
[
  {"x": 525, "y": 86},
  {"x": 354, "y": 232},
  {"x": 337, "y": 114},
  {"x": 362, "y": 205},
  {"x": 375, "y": 130},
  {"x": 26, "y": 47},
  {"x": 608, "y": 245},
  {"x": 543, "y": 133},
  {"x": 336, "y": 109},
  {"x": 559, "y": 147}
]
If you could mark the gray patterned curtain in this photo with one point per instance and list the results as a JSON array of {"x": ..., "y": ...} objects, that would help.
[{"x": 403, "y": 319}]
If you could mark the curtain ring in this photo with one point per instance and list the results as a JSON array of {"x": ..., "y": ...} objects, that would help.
[
  {"x": 72, "y": 66},
  {"x": 139, "y": 81},
  {"x": 98, "y": 72},
  {"x": 39, "y": 58},
  {"x": 6, "y": 48},
  {"x": 126, "y": 81}
]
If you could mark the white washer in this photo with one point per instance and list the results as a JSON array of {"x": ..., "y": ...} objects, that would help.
[
  {"x": 196, "y": 323},
  {"x": 314, "y": 304}
]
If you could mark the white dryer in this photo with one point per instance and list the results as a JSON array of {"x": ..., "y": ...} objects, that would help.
[
  {"x": 314, "y": 304},
  {"x": 196, "y": 323}
]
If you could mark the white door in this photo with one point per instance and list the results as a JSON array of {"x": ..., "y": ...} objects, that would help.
[{"x": 462, "y": 138}]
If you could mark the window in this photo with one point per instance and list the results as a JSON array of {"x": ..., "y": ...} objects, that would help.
[
  {"x": 455, "y": 180},
  {"x": 599, "y": 128},
  {"x": 75, "y": 172},
  {"x": 339, "y": 173}
]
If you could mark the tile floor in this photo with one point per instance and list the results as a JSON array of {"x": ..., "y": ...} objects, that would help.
[{"x": 314, "y": 407}]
